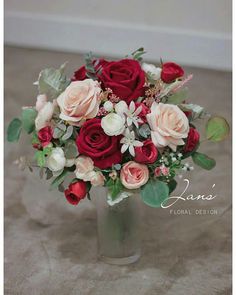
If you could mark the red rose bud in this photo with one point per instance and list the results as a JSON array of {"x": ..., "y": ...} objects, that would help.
[
  {"x": 125, "y": 78},
  {"x": 146, "y": 154},
  {"x": 92, "y": 141},
  {"x": 144, "y": 112},
  {"x": 80, "y": 74},
  {"x": 45, "y": 135},
  {"x": 76, "y": 192},
  {"x": 170, "y": 72},
  {"x": 192, "y": 140}
]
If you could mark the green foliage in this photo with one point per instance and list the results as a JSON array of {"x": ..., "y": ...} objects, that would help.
[
  {"x": 14, "y": 130},
  {"x": 114, "y": 187},
  {"x": 40, "y": 158},
  {"x": 28, "y": 119},
  {"x": 137, "y": 54},
  {"x": 52, "y": 82},
  {"x": 59, "y": 179},
  {"x": 198, "y": 112},
  {"x": 144, "y": 131},
  {"x": 172, "y": 185},
  {"x": 89, "y": 66},
  {"x": 71, "y": 150},
  {"x": 154, "y": 192},
  {"x": 203, "y": 161},
  {"x": 178, "y": 97},
  {"x": 217, "y": 129},
  {"x": 35, "y": 139}
]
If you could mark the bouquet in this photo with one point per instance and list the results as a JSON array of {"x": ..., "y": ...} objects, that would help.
[{"x": 126, "y": 125}]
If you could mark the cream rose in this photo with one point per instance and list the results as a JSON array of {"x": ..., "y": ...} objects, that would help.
[
  {"x": 96, "y": 178},
  {"x": 56, "y": 161},
  {"x": 84, "y": 165},
  {"x": 169, "y": 125},
  {"x": 133, "y": 175},
  {"x": 44, "y": 116},
  {"x": 41, "y": 101},
  {"x": 113, "y": 124},
  {"x": 79, "y": 101},
  {"x": 154, "y": 71}
]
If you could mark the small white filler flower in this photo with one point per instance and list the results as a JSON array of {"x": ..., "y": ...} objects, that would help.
[{"x": 129, "y": 142}]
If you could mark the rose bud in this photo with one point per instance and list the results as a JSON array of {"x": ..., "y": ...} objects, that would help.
[
  {"x": 145, "y": 110},
  {"x": 192, "y": 140},
  {"x": 76, "y": 192},
  {"x": 170, "y": 72},
  {"x": 147, "y": 153},
  {"x": 45, "y": 135}
]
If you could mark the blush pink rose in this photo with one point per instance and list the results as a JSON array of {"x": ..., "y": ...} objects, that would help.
[
  {"x": 84, "y": 165},
  {"x": 169, "y": 125},
  {"x": 133, "y": 175},
  {"x": 96, "y": 178},
  {"x": 80, "y": 101}
]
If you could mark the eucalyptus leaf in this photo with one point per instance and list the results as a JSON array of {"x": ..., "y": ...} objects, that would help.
[
  {"x": 53, "y": 82},
  {"x": 154, "y": 193},
  {"x": 197, "y": 111},
  {"x": 68, "y": 133},
  {"x": 172, "y": 185},
  {"x": 71, "y": 150},
  {"x": 178, "y": 97},
  {"x": 217, "y": 129},
  {"x": 59, "y": 179},
  {"x": 14, "y": 130},
  {"x": 28, "y": 119},
  {"x": 203, "y": 161},
  {"x": 144, "y": 131},
  {"x": 57, "y": 133},
  {"x": 114, "y": 187}
]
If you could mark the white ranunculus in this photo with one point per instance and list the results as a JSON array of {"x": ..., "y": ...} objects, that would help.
[
  {"x": 108, "y": 106},
  {"x": 44, "y": 116},
  {"x": 113, "y": 124},
  {"x": 56, "y": 161},
  {"x": 121, "y": 107},
  {"x": 154, "y": 71}
]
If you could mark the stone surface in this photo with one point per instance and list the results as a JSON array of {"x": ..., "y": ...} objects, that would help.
[{"x": 50, "y": 246}]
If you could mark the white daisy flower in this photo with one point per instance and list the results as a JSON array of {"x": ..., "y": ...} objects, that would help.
[{"x": 129, "y": 142}]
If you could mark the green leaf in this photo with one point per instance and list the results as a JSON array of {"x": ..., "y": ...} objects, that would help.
[
  {"x": 114, "y": 187},
  {"x": 40, "y": 158},
  {"x": 137, "y": 54},
  {"x": 154, "y": 192},
  {"x": 48, "y": 174},
  {"x": 14, "y": 130},
  {"x": 203, "y": 161},
  {"x": 28, "y": 119},
  {"x": 178, "y": 97},
  {"x": 172, "y": 185},
  {"x": 71, "y": 150},
  {"x": 217, "y": 129},
  {"x": 52, "y": 82},
  {"x": 59, "y": 179},
  {"x": 68, "y": 133},
  {"x": 144, "y": 131},
  {"x": 197, "y": 111}
]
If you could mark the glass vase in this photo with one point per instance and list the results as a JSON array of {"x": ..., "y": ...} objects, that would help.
[{"x": 118, "y": 229}]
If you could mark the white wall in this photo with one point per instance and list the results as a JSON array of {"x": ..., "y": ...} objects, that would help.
[{"x": 195, "y": 32}]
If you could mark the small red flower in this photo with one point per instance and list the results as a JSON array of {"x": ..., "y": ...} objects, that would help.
[
  {"x": 76, "y": 192},
  {"x": 170, "y": 72},
  {"x": 147, "y": 153},
  {"x": 45, "y": 135},
  {"x": 192, "y": 140}
]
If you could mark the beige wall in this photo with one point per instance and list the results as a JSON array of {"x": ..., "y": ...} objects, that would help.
[{"x": 213, "y": 16}]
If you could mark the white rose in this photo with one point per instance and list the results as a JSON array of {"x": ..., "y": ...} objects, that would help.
[
  {"x": 41, "y": 101},
  {"x": 44, "y": 116},
  {"x": 56, "y": 161},
  {"x": 108, "y": 106},
  {"x": 121, "y": 107},
  {"x": 113, "y": 124},
  {"x": 154, "y": 71}
]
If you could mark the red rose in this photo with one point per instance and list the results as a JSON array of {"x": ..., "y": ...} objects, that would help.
[
  {"x": 144, "y": 112},
  {"x": 146, "y": 154},
  {"x": 45, "y": 135},
  {"x": 170, "y": 72},
  {"x": 125, "y": 78},
  {"x": 104, "y": 150},
  {"x": 76, "y": 192},
  {"x": 80, "y": 74},
  {"x": 192, "y": 140}
]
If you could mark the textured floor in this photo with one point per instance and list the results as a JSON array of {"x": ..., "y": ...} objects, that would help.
[{"x": 50, "y": 247}]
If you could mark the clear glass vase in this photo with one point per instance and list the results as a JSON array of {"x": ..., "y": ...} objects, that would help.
[{"x": 118, "y": 229}]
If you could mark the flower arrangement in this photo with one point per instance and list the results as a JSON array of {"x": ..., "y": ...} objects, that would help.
[{"x": 126, "y": 125}]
